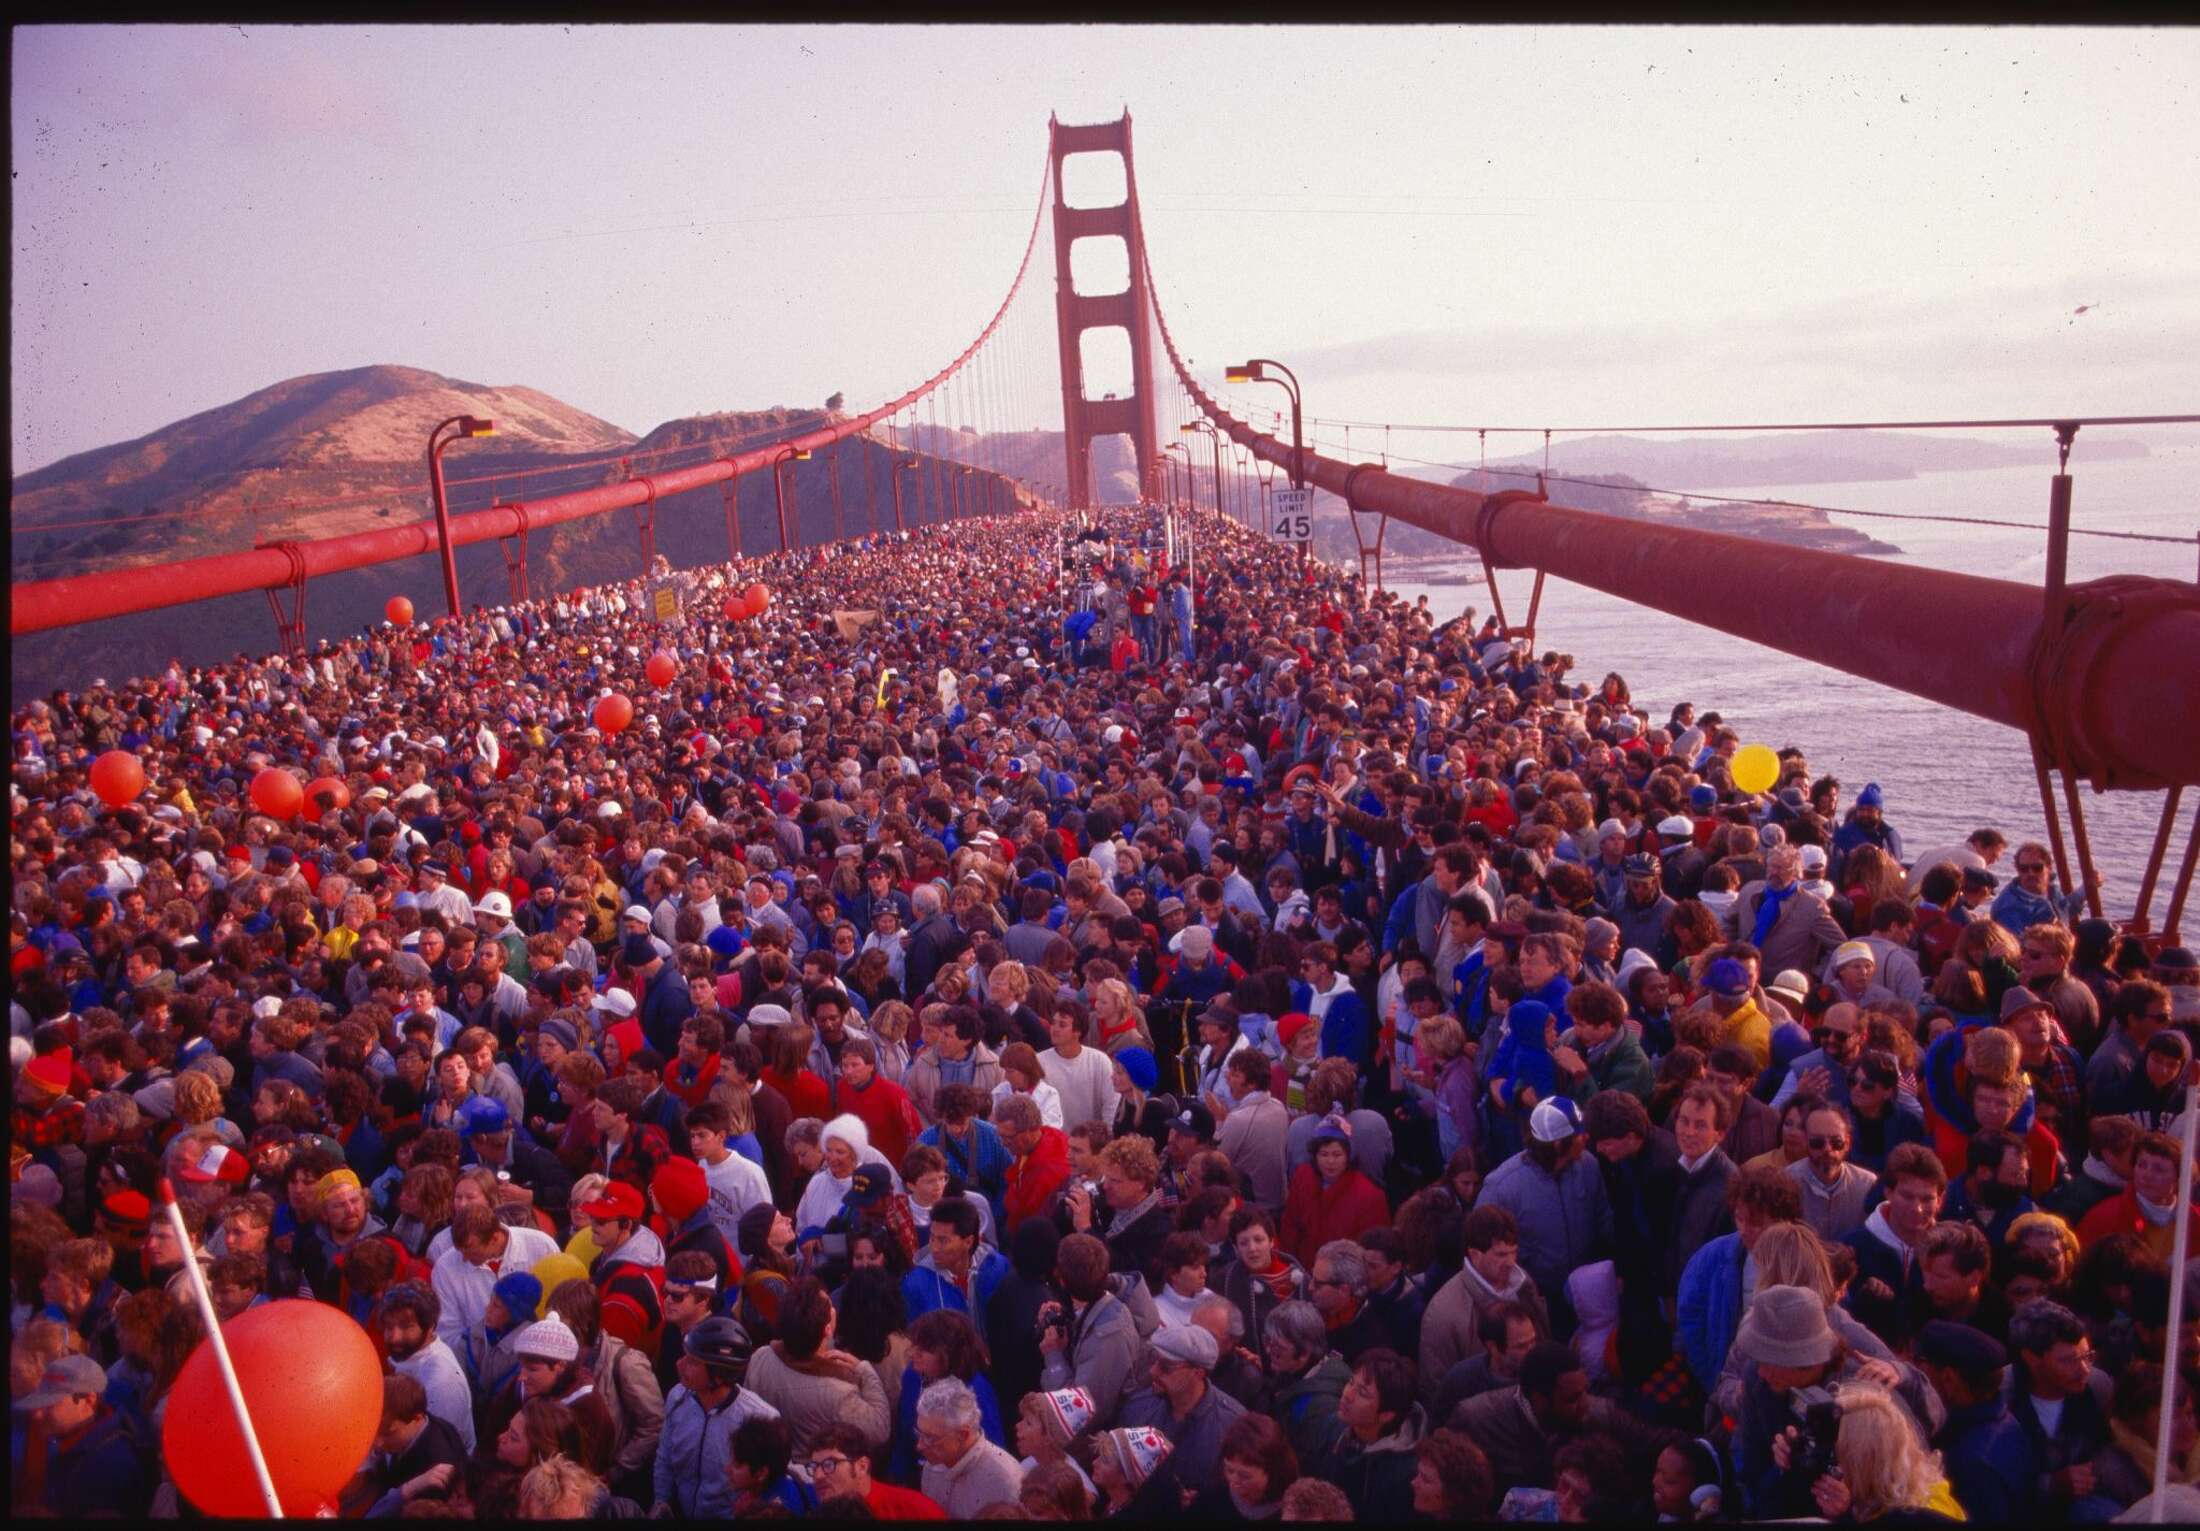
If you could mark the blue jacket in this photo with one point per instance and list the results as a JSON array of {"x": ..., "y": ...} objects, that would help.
[
  {"x": 925, "y": 1288},
  {"x": 692, "y": 1447},
  {"x": 1709, "y": 1309},
  {"x": 2014, "y": 908},
  {"x": 983, "y": 1163},
  {"x": 1345, "y": 1030},
  {"x": 1989, "y": 1461}
]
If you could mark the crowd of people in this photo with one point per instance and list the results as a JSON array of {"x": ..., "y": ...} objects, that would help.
[{"x": 977, "y": 1048}]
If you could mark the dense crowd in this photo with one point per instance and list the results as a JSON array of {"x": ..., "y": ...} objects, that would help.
[{"x": 977, "y": 1048}]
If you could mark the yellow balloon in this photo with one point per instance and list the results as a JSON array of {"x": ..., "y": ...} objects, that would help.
[{"x": 1756, "y": 768}]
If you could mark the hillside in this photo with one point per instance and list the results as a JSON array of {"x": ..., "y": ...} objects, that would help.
[
  {"x": 309, "y": 457},
  {"x": 263, "y": 468}
]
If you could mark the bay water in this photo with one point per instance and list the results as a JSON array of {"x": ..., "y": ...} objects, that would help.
[{"x": 1944, "y": 772}]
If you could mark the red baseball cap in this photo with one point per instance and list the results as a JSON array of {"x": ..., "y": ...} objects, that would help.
[
  {"x": 619, "y": 1200},
  {"x": 220, "y": 1163}
]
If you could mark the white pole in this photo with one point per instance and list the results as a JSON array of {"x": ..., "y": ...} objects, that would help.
[
  {"x": 213, "y": 1322},
  {"x": 2180, "y": 1248}
]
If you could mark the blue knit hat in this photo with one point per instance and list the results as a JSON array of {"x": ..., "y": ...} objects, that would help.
[
  {"x": 521, "y": 1295},
  {"x": 1727, "y": 977},
  {"x": 1139, "y": 1064},
  {"x": 1870, "y": 797},
  {"x": 1703, "y": 798}
]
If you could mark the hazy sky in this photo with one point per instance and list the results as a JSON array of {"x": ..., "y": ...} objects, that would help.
[{"x": 1537, "y": 225}]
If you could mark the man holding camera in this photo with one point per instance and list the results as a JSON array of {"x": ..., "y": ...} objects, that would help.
[{"x": 1790, "y": 1414}]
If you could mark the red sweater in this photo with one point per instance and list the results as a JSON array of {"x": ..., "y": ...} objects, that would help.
[
  {"x": 891, "y": 1502},
  {"x": 805, "y": 1092},
  {"x": 1313, "y": 1213},
  {"x": 883, "y": 1107}
]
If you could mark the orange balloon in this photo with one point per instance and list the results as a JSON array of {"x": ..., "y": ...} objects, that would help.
[
  {"x": 736, "y": 606},
  {"x": 326, "y": 794},
  {"x": 661, "y": 669},
  {"x": 760, "y": 599},
  {"x": 398, "y": 610},
  {"x": 278, "y": 794},
  {"x": 118, "y": 777},
  {"x": 614, "y": 712},
  {"x": 313, "y": 1386}
]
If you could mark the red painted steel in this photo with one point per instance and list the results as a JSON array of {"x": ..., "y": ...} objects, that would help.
[
  {"x": 1076, "y": 312},
  {"x": 2113, "y": 688},
  {"x": 44, "y": 604}
]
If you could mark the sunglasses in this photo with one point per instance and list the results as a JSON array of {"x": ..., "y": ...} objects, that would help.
[{"x": 1821, "y": 1141}]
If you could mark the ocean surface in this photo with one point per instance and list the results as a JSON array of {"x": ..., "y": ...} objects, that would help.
[{"x": 1944, "y": 772}]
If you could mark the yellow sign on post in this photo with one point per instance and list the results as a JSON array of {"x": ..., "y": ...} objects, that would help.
[{"x": 664, "y": 602}]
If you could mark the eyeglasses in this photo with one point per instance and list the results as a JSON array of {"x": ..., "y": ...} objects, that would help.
[
  {"x": 1322, "y": 1281},
  {"x": 1822, "y": 1142},
  {"x": 2031, "y": 866},
  {"x": 826, "y": 1464}
]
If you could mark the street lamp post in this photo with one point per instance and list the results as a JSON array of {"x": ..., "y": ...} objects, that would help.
[
  {"x": 1258, "y": 370},
  {"x": 779, "y": 487},
  {"x": 1214, "y": 437},
  {"x": 466, "y": 425}
]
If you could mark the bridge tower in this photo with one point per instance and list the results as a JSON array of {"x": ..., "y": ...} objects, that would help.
[{"x": 1077, "y": 313}]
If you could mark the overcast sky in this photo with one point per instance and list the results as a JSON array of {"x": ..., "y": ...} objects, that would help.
[{"x": 1535, "y": 225}]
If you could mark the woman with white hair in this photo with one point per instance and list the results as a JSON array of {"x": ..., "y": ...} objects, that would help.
[
  {"x": 1885, "y": 1467},
  {"x": 845, "y": 1144}
]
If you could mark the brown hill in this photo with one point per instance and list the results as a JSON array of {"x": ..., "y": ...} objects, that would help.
[{"x": 309, "y": 457}]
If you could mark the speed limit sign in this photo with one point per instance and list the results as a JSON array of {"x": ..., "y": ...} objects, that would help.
[{"x": 1290, "y": 515}]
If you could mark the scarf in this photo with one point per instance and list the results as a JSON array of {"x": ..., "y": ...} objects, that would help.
[
  {"x": 1281, "y": 1278},
  {"x": 1769, "y": 904},
  {"x": 1255, "y": 1511}
]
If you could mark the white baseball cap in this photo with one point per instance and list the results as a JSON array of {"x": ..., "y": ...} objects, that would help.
[{"x": 613, "y": 1002}]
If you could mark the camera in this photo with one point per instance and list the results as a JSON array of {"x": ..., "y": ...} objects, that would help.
[
  {"x": 1054, "y": 1318},
  {"x": 1813, "y": 1456}
]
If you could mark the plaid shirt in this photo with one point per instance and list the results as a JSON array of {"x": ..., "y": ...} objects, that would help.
[
  {"x": 62, "y": 1122},
  {"x": 2057, "y": 1081}
]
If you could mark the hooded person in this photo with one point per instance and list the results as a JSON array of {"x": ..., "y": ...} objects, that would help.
[
  {"x": 1521, "y": 1074},
  {"x": 846, "y": 1143}
]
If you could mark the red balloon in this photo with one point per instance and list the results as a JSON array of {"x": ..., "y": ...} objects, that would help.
[
  {"x": 736, "y": 606},
  {"x": 661, "y": 668},
  {"x": 118, "y": 777},
  {"x": 614, "y": 712},
  {"x": 337, "y": 796},
  {"x": 760, "y": 599},
  {"x": 313, "y": 1387},
  {"x": 278, "y": 794},
  {"x": 398, "y": 610}
]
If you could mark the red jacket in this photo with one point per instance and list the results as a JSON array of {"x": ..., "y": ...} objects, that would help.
[
  {"x": 2121, "y": 1214},
  {"x": 1031, "y": 1181},
  {"x": 1313, "y": 1213}
]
